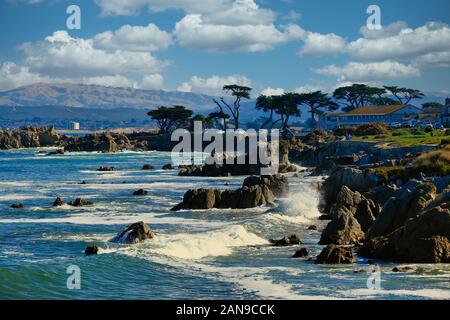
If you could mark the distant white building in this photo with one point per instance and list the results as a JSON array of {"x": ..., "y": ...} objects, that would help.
[
  {"x": 385, "y": 114},
  {"x": 75, "y": 126}
]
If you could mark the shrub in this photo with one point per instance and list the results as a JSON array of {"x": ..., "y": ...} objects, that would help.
[
  {"x": 342, "y": 131},
  {"x": 371, "y": 129},
  {"x": 428, "y": 129},
  {"x": 418, "y": 131},
  {"x": 447, "y": 132},
  {"x": 445, "y": 141},
  {"x": 434, "y": 163}
]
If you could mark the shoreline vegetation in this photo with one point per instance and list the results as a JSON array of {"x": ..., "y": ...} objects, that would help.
[{"x": 385, "y": 199}]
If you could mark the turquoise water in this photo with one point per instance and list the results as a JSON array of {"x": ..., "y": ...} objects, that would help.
[{"x": 216, "y": 254}]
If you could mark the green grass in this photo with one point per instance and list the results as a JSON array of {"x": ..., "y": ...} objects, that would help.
[{"x": 408, "y": 137}]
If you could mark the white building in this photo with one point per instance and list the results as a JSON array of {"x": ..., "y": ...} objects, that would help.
[
  {"x": 75, "y": 125},
  {"x": 385, "y": 114}
]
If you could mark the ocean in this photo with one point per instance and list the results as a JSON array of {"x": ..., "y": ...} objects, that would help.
[{"x": 214, "y": 254}]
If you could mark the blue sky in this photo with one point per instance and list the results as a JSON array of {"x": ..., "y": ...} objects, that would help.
[{"x": 200, "y": 45}]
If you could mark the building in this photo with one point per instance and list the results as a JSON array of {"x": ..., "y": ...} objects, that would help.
[
  {"x": 75, "y": 125},
  {"x": 385, "y": 114},
  {"x": 445, "y": 113}
]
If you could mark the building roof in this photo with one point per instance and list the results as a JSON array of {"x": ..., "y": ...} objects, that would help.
[{"x": 376, "y": 110}]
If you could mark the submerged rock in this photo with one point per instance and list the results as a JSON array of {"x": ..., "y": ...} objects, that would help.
[
  {"x": 58, "y": 202},
  {"x": 148, "y": 167},
  {"x": 167, "y": 167},
  {"x": 333, "y": 254},
  {"x": 140, "y": 192},
  {"x": 17, "y": 206},
  {"x": 286, "y": 241},
  {"x": 312, "y": 228},
  {"x": 91, "y": 250},
  {"x": 134, "y": 233}
]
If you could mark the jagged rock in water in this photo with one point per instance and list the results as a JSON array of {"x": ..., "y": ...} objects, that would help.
[
  {"x": 167, "y": 167},
  {"x": 58, "y": 202},
  {"x": 28, "y": 137},
  {"x": 286, "y": 241},
  {"x": 409, "y": 201},
  {"x": 333, "y": 254},
  {"x": 242, "y": 198},
  {"x": 17, "y": 206},
  {"x": 344, "y": 230},
  {"x": 80, "y": 203},
  {"x": 106, "y": 169},
  {"x": 278, "y": 184},
  {"x": 140, "y": 192},
  {"x": 301, "y": 253},
  {"x": 89, "y": 251},
  {"x": 134, "y": 233},
  {"x": 148, "y": 167},
  {"x": 312, "y": 228},
  {"x": 106, "y": 142},
  {"x": 422, "y": 239}
]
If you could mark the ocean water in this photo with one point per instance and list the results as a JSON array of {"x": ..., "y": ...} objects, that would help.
[{"x": 215, "y": 254}]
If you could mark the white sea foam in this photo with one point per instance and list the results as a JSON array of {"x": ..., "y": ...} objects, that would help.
[
  {"x": 420, "y": 293},
  {"x": 206, "y": 244}
]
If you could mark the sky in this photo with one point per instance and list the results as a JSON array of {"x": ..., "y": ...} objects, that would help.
[{"x": 273, "y": 46}]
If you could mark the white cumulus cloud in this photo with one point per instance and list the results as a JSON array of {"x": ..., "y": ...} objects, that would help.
[{"x": 213, "y": 85}]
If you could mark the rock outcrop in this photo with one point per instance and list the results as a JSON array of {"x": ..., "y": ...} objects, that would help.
[
  {"x": 345, "y": 230},
  {"x": 91, "y": 250},
  {"x": 354, "y": 179},
  {"x": 134, "y": 233},
  {"x": 278, "y": 184},
  {"x": 333, "y": 254},
  {"x": 301, "y": 253},
  {"x": 148, "y": 167},
  {"x": 246, "y": 197},
  {"x": 106, "y": 142},
  {"x": 422, "y": 239},
  {"x": 28, "y": 137},
  {"x": 58, "y": 202},
  {"x": 409, "y": 201}
]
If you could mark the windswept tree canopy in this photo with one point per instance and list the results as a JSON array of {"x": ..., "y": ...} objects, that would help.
[
  {"x": 404, "y": 95},
  {"x": 239, "y": 93},
  {"x": 171, "y": 118},
  {"x": 317, "y": 102},
  {"x": 267, "y": 104},
  {"x": 359, "y": 95}
]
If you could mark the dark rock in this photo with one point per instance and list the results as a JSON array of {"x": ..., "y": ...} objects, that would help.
[
  {"x": 106, "y": 142},
  {"x": 333, "y": 254},
  {"x": 28, "y": 137},
  {"x": 286, "y": 241},
  {"x": 326, "y": 217},
  {"x": 58, "y": 202},
  {"x": 80, "y": 203},
  {"x": 301, "y": 253},
  {"x": 91, "y": 250},
  {"x": 410, "y": 200},
  {"x": 134, "y": 233},
  {"x": 167, "y": 167},
  {"x": 148, "y": 167},
  {"x": 106, "y": 169},
  {"x": 57, "y": 152},
  {"x": 287, "y": 168},
  {"x": 314, "y": 228},
  {"x": 278, "y": 184},
  {"x": 342, "y": 231},
  {"x": 17, "y": 206},
  {"x": 422, "y": 239},
  {"x": 140, "y": 192},
  {"x": 402, "y": 269}
]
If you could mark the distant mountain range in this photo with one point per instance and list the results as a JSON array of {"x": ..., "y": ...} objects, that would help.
[{"x": 100, "y": 97}]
